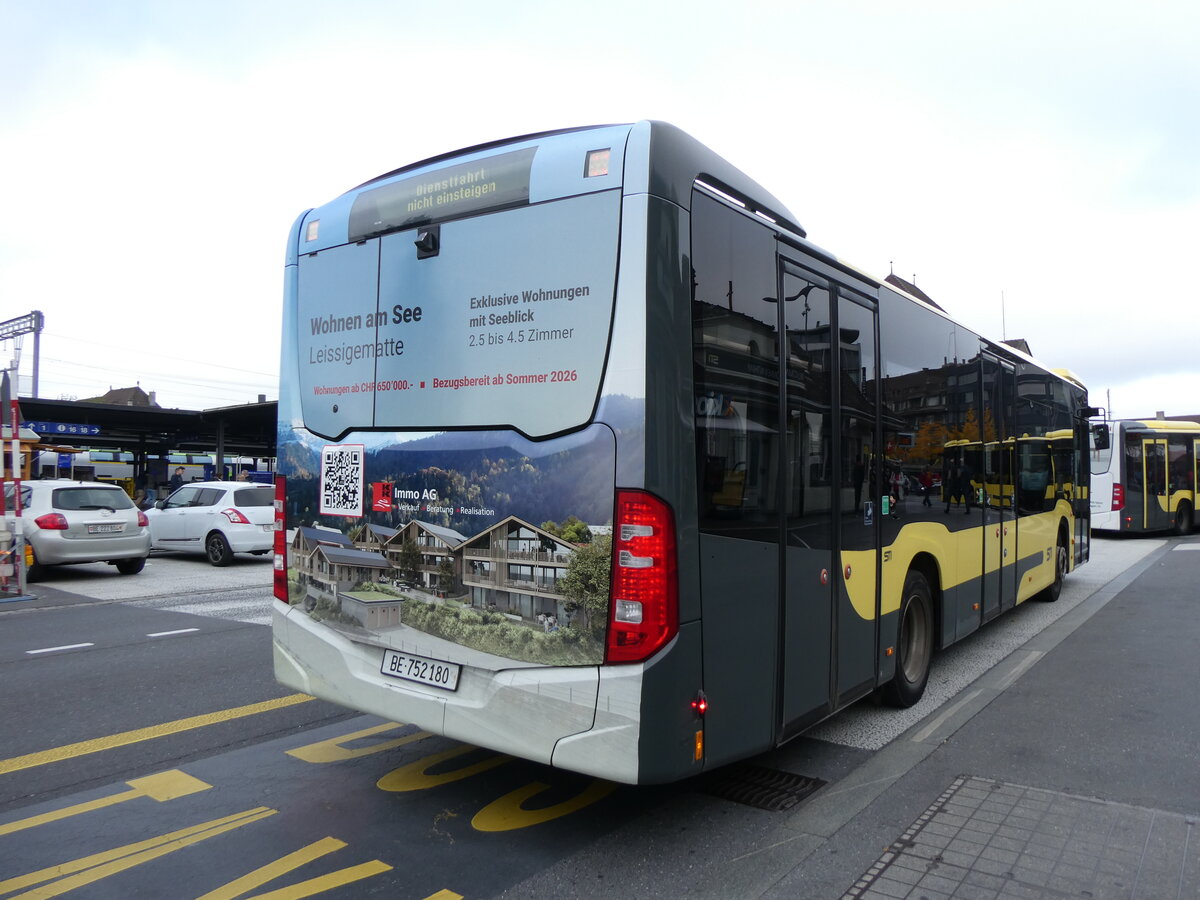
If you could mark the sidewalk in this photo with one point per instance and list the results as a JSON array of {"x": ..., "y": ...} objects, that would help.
[{"x": 1072, "y": 769}]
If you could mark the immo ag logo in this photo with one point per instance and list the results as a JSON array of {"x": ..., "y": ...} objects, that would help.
[
  {"x": 381, "y": 496},
  {"x": 342, "y": 480}
]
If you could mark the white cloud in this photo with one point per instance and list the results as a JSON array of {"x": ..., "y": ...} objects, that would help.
[{"x": 156, "y": 157}]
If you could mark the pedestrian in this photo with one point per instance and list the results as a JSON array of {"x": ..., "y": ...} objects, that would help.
[
  {"x": 959, "y": 487},
  {"x": 860, "y": 475},
  {"x": 177, "y": 479},
  {"x": 925, "y": 479}
]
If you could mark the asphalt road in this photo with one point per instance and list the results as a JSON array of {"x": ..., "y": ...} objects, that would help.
[
  {"x": 79, "y": 665},
  {"x": 147, "y": 751}
]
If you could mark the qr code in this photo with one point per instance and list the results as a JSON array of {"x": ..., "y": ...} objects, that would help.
[{"x": 342, "y": 480}]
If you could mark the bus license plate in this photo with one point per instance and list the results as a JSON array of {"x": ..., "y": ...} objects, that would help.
[
  {"x": 110, "y": 528},
  {"x": 421, "y": 670}
]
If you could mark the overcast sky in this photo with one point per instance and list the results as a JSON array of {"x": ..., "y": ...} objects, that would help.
[{"x": 1033, "y": 166}]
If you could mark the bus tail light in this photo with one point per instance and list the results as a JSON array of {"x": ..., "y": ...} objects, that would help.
[
  {"x": 1118, "y": 498},
  {"x": 281, "y": 574},
  {"x": 644, "y": 610}
]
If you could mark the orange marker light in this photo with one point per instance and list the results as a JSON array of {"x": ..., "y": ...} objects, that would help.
[{"x": 597, "y": 163}]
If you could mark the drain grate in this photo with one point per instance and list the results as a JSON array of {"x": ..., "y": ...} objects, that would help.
[{"x": 758, "y": 786}]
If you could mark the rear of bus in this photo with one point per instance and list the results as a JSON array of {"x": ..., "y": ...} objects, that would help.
[
  {"x": 1107, "y": 489},
  {"x": 463, "y": 388}
]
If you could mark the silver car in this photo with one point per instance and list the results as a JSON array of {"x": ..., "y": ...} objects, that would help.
[{"x": 67, "y": 522}]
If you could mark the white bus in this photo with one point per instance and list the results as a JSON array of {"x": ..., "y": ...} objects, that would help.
[{"x": 1144, "y": 479}]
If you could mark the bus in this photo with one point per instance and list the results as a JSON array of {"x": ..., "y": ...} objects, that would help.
[
  {"x": 1144, "y": 476},
  {"x": 584, "y": 451}
]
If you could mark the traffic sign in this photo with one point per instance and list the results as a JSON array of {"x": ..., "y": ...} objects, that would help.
[{"x": 62, "y": 428}]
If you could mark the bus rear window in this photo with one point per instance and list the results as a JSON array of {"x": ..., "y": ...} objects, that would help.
[{"x": 507, "y": 326}]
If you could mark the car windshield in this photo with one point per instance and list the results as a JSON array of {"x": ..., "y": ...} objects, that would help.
[
  {"x": 260, "y": 496},
  {"x": 90, "y": 498}
]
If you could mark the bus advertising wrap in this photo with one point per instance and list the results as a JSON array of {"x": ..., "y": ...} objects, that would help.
[
  {"x": 457, "y": 544},
  {"x": 482, "y": 334}
]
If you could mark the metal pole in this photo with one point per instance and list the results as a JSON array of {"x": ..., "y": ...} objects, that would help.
[
  {"x": 18, "y": 533},
  {"x": 37, "y": 355}
]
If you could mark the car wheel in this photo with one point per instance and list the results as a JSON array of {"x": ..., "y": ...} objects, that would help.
[
  {"x": 217, "y": 549},
  {"x": 34, "y": 572},
  {"x": 914, "y": 643},
  {"x": 131, "y": 566}
]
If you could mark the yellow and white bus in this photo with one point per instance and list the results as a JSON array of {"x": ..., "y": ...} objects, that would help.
[
  {"x": 585, "y": 450},
  {"x": 1144, "y": 477}
]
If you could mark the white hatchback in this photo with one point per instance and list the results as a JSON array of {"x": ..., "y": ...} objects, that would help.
[{"x": 216, "y": 518}]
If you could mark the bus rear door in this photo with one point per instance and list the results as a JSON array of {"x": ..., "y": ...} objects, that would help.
[{"x": 1155, "y": 509}]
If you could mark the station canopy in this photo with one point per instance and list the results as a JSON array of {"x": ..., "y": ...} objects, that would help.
[{"x": 244, "y": 430}]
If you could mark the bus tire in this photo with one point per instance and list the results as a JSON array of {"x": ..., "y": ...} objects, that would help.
[
  {"x": 1183, "y": 518},
  {"x": 216, "y": 548},
  {"x": 1061, "y": 560},
  {"x": 914, "y": 643}
]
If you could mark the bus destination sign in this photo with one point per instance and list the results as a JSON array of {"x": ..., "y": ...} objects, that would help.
[{"x": 496, "y": 182}]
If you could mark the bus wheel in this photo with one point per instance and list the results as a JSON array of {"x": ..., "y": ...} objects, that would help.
[
  {"x": 1061, "y": 561},
  {"x": 914, "y": 644},
  {"x": 1183, "y": 518}
]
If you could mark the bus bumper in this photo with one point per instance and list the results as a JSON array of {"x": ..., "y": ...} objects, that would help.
[{"x": 569, "y": 717}]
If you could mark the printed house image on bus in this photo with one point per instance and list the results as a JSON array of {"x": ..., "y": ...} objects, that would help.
[
  {"x": 435, "y": 547},
  {"x": 510, "y": 573},
  {"x": 515, "y": 567}
]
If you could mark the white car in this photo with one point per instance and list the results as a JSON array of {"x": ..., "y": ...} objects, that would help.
[
  {"x": 216, "y": 518},
  {"x": 67, "y": 522}
]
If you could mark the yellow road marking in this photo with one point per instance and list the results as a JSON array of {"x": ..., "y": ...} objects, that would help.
[
  {"x": 415, "y": 777},
  {"x": 445, "y": 895},
  {"x": 88, "y": 869},
  {"x": 161, "y": 787},
  {"x": 333, "y": 751},
  {"x": 508, "y": 814},
  {"x": 96, "y": 745},
  {"x": 291, "y": 862}
]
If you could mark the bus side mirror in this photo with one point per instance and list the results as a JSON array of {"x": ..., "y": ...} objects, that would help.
[{"x": 1100, "y": 438}]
